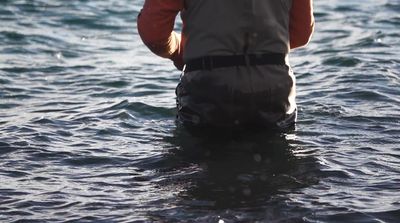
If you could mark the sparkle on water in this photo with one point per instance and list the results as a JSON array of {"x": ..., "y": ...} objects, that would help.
[{"x": 87, "y": 130}]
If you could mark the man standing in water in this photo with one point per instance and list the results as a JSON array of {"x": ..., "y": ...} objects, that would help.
[{"x": 234, "y": 56}]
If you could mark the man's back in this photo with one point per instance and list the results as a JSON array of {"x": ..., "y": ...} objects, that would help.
[{"x": 227, "y": 27}]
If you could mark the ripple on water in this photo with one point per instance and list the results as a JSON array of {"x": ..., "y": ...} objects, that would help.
[
  {"x": 393, "y": 6},
  {"x": 93, "y": 161},
  {"x": 342, "y": 61},
  {"x": 115, "y": 84},
  {"x": 8, "y": 105},
  {"x": 363, "y": 95},
  {"x": 12, "y": 37},
  {"x": 87, "y": 128},
  {"x": 89, "y": 23}
]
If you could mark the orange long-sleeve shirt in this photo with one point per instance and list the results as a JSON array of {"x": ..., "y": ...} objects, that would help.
[
  {"x": 157, "y": 18},
  {"x": 301, "y": 24}
]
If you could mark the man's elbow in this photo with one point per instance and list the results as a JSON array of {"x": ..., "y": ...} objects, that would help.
[
  {"x": 156, "y": 42},
  {"x": 306, "y": 37},
  {"x": 301, "y": 38},
  {"x": 159, "y": 49}
]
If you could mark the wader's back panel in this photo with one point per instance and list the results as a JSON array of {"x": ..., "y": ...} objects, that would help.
[{"x": 226, "y": 27}]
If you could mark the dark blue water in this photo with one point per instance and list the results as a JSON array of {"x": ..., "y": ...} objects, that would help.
[{"x": 88, "y": 133}]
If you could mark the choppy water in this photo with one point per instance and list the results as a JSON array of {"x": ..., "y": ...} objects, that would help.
[{"x": 87, "y": 131}]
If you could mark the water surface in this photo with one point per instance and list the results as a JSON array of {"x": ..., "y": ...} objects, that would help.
[{"x": 88, "y": 133}]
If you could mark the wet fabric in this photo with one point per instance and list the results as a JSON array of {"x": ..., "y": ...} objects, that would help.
[{"x": 242, "y": 96}]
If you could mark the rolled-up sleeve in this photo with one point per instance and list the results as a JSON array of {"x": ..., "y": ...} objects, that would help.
[
  {"x": 155, "y": 25},
  {"x": 301, "y": 23}
]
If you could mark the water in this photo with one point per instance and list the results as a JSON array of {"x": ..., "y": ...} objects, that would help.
[{"x": 87, "y": 130}]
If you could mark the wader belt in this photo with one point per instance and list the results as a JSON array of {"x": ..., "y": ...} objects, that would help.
[{"x": 210, "y": 62}]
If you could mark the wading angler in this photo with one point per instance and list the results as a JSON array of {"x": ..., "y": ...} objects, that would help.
[{"x": 234, "y": 57}]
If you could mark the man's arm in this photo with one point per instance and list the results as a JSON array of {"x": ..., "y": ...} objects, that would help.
[
  {"x": 301, "y": 23},
  {"x": 155, "y": 25}
]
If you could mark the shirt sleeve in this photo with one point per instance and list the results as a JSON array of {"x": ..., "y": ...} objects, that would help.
[
  {"x": 155, "y": 25},
  {"x": 301, "y": 25}
]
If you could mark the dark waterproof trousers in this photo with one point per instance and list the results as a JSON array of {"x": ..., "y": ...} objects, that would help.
[{"x": 241, "y": 96}]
